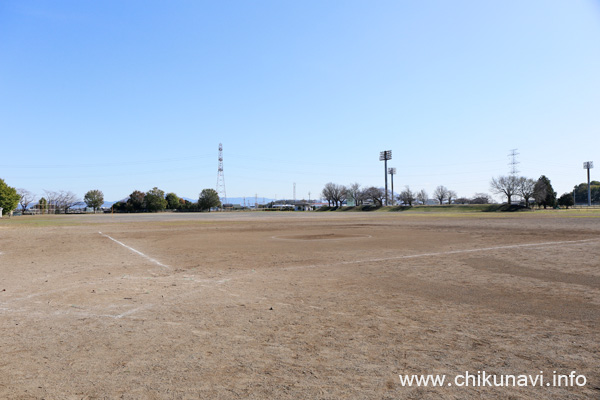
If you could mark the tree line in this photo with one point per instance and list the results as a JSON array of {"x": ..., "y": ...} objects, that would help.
[
  {"x": 528, "y": 189},
  {"x": 336, "y": 195},
  {"x": 53, "y": 202},
  {"x": 581, "y": 192},
  {"x": 155, "y": 200},
  {"x": 539, "y": 192}
]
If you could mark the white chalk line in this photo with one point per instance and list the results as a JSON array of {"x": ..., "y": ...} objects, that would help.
[
  {"x": 443, "y": 253},
  {"x": 80, "y": 312},
  {"x": 136, "y": 251}
]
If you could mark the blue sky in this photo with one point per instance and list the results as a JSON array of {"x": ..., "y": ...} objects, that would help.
[{"x": 126, "y": 95}]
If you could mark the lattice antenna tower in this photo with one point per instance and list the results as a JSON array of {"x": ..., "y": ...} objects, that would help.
[
  {"x": 221, "y": 178},
  {"x": 513, "y": 162}
]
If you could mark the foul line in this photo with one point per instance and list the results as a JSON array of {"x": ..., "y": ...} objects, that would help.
[
  {"x": 137, "y": 252},
  {"x": 443, "y": 253}
]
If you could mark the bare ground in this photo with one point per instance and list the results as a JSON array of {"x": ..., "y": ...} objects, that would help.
[{"x": 299, "y": 305}]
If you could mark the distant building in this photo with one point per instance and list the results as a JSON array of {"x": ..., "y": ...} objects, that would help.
[
  {"x": 284, "y": 206},
  {"x": 232, "y": 207}
]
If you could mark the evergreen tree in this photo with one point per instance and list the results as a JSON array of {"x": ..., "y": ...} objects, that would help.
[
  {"x": 94, "y": 199},
  {"x": 566, "y": 200},
  {"x": 172, "y": 201},
  {"x": 43, "y": 205},
  {"x": 9, "y": 198},
  {"x": 544, "y": 194},
  {"x": 209, "y": 198},
  {"x": 155, "y": 200},
  {"x": 135, "y": 201}
]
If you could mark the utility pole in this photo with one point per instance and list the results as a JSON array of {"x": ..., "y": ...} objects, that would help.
[
  {"x": 294, "y": 192},
  {"x": 589, "y": 165},
  {"x": 392, "y": 172},
  {"x": 385, "y": 156}
]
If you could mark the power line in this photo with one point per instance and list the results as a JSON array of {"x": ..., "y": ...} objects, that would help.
[{"x": 97, "y": 165}]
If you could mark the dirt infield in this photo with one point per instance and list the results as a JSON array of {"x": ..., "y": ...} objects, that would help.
[{"x": 296, "y": 305}]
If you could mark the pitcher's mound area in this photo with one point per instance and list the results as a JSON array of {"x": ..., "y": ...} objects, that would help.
[{"x": 323, "y": 236}]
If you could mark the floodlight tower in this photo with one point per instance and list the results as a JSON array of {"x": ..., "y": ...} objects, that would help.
[
  {"x": 385, "y": 156},
  {"x": 221, "y": 177},
  {"x": 392, "y": 172},
  {"x": 589, "y": 165}
]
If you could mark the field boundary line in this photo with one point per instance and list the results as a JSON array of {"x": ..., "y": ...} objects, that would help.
[
  {"x": 443, "y": 253},
  {"x": 136, "y": 251}
]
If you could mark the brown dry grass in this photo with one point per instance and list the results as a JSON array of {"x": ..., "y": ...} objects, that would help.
[{"x": 300, "y": 305}]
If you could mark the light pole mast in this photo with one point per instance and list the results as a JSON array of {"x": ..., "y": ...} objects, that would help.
[
  {"x": 589, "y": 165},
  {"x": 221, "y": 177},
  {"x": 392, "y": 172},
  {"x": 385, "y": 156}
]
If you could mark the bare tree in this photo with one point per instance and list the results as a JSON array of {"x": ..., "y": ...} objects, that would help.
[
  {"x": 506, "y": 185},
  {"x": 375, "y": 194},
  {"x": 51, "y": 201},
  {"x": 334, "y": 193},
  {"x": 355, "y": 193},
  {"x": 526, "y": 189},
  {"x": 327, "y": 192},
  {"x": 61, "y": 200},
  {"x": 25, "y": 198},
  {"x": 422, "y": 196},
  {"x": 451, "y": 195},
  {"x": 339, "y": 194},
  {"x": 440, "y": 193},
  {"x": 68, "y": 200},
  {"x": 406, "y": 196}
]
